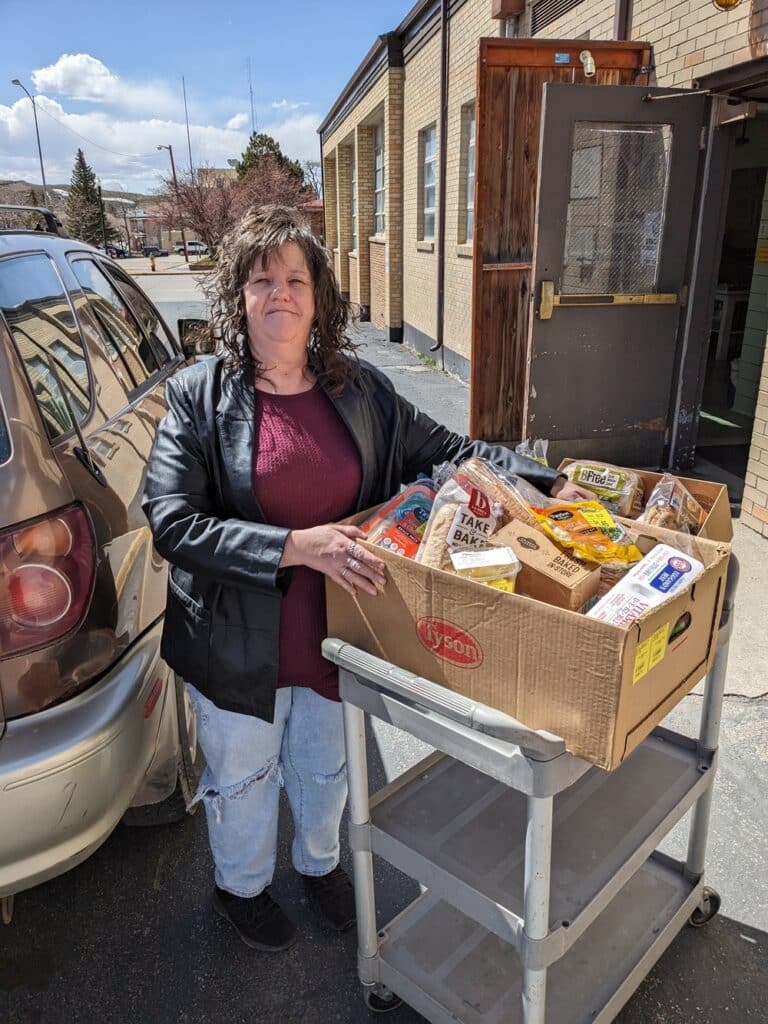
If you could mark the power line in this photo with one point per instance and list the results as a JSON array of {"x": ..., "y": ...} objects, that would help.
[{"x": 126, "y": 156}]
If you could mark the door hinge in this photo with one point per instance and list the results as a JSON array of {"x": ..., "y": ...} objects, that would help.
[{"x": 703, "y": 137}]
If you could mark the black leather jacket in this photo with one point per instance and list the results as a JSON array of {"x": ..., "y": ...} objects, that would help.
[{"x": 224, "y": 587}]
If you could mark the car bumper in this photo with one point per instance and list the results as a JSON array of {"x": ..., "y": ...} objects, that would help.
[{"x": 68, "y": 774}]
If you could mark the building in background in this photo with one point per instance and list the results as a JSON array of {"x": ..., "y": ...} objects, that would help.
[{"x": 385, "y": 163}]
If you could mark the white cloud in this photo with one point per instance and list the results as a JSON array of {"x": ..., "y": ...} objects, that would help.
[
  {"x": 80, "y": 76},
  {"x": 122, "y": 124},
  {"x": 287, "y": 105},
  {"x": 297, "y": 135},
  {"x": 237, "y": 122},
  {"x": 77, "y": 75}
]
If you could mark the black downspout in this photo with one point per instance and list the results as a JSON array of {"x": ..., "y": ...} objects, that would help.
[
  {"x": 441, "y": 183},
  {"x": 621, "y": 20}
]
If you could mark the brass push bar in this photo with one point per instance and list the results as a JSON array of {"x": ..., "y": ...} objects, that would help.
[{"x": 549, "y": 299}]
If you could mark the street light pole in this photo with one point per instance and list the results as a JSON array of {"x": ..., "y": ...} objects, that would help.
[
  {"x": 103, "y": 225},
  {"x": 176, "y": 191},
  {"x": 15, "y": 81}
]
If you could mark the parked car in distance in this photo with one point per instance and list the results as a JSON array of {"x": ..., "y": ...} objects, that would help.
[
  {"x": 94, "y": 726},
  {"x": 154, "y": 250},
  {"x": 193, "y": 247},
  {"x": 117, "y": 252}
]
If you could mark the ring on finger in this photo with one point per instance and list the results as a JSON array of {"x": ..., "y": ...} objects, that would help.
[
  {"x": 351, "y": 549},
  {"x": 343, "y": 573},
  {"x": 353, "y": 564}
]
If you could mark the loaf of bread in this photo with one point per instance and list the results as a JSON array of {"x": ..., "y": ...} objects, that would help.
[{"x": 480, "y": 474}]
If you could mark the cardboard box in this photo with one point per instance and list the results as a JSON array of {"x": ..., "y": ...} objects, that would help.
[
  {"x": 546, "y": 572},
  {"x": 711, "y": 496},
  {"x": 601, "y": 687}
]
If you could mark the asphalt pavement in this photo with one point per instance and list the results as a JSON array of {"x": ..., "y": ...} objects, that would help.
[{"x": 129, "y": 936}]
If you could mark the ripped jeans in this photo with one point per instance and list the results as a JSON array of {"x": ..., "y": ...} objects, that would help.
[{"x": 248, "y": 760}]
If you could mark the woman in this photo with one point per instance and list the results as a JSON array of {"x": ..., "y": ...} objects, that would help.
[{"x": 262, "y": 451}]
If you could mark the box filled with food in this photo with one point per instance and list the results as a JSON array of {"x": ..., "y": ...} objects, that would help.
[{"x": 564, "y": 616}]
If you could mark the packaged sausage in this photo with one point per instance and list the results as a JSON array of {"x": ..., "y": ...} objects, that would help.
[
  {"x": 587, "y": 530},
  {"x": 399, "y": 525},
  {"x": 672, "y": 506},
  {"x": 663, "y": 572},
  {"x": 618, "y": 490}
]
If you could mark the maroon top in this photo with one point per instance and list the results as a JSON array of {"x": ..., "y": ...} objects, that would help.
[{"x": 306, "y": 472}]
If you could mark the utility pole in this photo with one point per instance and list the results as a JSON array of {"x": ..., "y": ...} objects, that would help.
[
  {"x": 127, "y": 232},
  {"x": 176, "y": 192},
  {"x": 15, "y": 81},
  {"x": 186, "y": 115}
]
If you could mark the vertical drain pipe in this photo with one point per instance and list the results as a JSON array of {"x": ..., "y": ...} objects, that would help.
[{"x": 438, "y": 346}]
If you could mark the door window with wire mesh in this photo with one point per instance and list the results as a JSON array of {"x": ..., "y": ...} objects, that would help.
[
  {"x": 38, "y": 313},
  {"x": 619, "y": 178}
]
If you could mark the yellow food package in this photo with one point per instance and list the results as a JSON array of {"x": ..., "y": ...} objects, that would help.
[{"x": 588, "y": 531}]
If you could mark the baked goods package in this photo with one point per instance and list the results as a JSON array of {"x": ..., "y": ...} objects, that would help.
[
  {"x": 587, "y": 530},
  {"x": 618, "y": 490},
  {"x": 399, "y": 524},
  {"x": 663, "y": 572},
  {"x": 535, "y": 450},
  {"x": 673, "y": 507},
  {"x": 495, "y": 566},
  {"x": 468, "y": 509}
]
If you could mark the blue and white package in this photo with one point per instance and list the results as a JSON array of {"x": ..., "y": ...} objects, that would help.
[{"x": 663, "y": 573}]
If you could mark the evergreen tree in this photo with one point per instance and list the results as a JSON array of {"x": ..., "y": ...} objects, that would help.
[
  {"x": 81, "y": 211},
  {"x": 261, "y": 149}
]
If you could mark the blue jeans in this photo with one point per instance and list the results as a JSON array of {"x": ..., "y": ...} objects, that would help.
[{"x": 248, "y": 761}]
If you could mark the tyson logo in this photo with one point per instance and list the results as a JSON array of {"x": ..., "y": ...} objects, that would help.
[{"x": 449, "y": 642}]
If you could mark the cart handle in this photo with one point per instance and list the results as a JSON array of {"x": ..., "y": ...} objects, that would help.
[{"x": 370, "y": 670}]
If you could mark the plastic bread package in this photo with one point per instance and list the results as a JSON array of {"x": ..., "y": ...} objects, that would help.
[
  {"x": 469, "y": 507},
  {"x": 399, "y": 525},
  {"x": 619, "y": 490},
  {"x": 535, "y": 450},
  {"x": 672, "y": 506},
  {"x": 587, "y": 530}
]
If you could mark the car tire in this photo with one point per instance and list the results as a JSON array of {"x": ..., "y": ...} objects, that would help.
[{"x": 190, "y": 766}]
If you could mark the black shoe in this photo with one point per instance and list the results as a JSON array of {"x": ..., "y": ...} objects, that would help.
[
  {"x": 258, "y": 920},
  {"x": 334, "y": 897}
]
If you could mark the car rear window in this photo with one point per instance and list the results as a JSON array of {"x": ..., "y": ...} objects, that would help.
[{"x": 43, "y": 327}]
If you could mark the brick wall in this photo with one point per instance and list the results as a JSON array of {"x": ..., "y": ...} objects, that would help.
[
  {"x": 752, "y": 390},
  {"x": 330, "y": 200},
  {"x": 378, "y": 283},
  {"x": 383, "y": 103},
  {"x": 344, "y": 157}
]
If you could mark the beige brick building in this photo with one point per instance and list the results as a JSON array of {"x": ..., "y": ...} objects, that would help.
[{"x": 384, "y": 161}]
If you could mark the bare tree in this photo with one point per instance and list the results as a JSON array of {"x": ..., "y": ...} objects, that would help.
[
  {"x": 210, "y": 210},
  {"x": 313, "y": 176}
]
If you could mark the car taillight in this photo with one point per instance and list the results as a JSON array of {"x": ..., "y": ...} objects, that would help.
[{"x": 47, "y": 572}]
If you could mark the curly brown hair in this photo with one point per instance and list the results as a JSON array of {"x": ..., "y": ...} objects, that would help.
[{"x": 260, "y": 233}]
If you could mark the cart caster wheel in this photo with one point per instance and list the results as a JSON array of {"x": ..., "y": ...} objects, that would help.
[
  {"x": 379, "y": 999},
  {"x": 6, "y": 909},
  {"x": 708, "y": 909}
]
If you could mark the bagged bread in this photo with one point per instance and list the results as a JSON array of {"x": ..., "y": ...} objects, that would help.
[
  {"x": 619, "y": 490},
  {"x": 587, "y": 530},
  {"x": 468, "y": 509},
  {"x": 672, "y": 506},
  {"x": 399, "y": 525}
]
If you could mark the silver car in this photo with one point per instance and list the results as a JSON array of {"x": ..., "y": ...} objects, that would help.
[{"x": 92, "y": 721}]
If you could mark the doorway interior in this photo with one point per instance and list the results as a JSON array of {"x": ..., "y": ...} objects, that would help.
[{"x": 739, "y": 326}]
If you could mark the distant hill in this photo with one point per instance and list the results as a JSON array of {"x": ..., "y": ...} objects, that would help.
[{"x": 17, "y": 192}]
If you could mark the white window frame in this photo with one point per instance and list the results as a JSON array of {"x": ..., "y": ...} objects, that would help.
[
  {"x": 468, "y": 134},
  {"x": 428, "y": 181},
  {"x": 379, "y": 181}
]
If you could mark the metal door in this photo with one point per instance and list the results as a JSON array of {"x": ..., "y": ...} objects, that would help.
[{"x": 618, "y": 173}]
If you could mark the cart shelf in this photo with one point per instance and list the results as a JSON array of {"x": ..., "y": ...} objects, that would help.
[
  {"x": 450, "y": 968},
  {"x": 439, "y": 823}
]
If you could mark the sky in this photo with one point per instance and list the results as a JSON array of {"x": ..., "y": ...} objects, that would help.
[{"x": 107, "y": 78}]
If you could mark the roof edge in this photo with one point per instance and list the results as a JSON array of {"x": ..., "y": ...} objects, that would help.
[{"x": 388, "y": 44}]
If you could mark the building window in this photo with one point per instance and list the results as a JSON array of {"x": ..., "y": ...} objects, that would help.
[
  {"x": 379, "y": 180},
  {"x": 353, "y": 200},
  {"x": 467, "y": 184},
  {"x": 427, "y": 163}
]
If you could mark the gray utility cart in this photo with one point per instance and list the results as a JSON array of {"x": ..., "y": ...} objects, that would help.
[{"x": 545, "y": 897}]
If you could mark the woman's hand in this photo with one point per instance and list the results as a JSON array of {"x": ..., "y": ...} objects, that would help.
[
  {"x": 333, "y": 550},
  {"x": 563, "y": 489}
]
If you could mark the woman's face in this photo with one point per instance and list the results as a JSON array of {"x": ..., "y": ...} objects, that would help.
[{"x": 280, "y": 300}]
